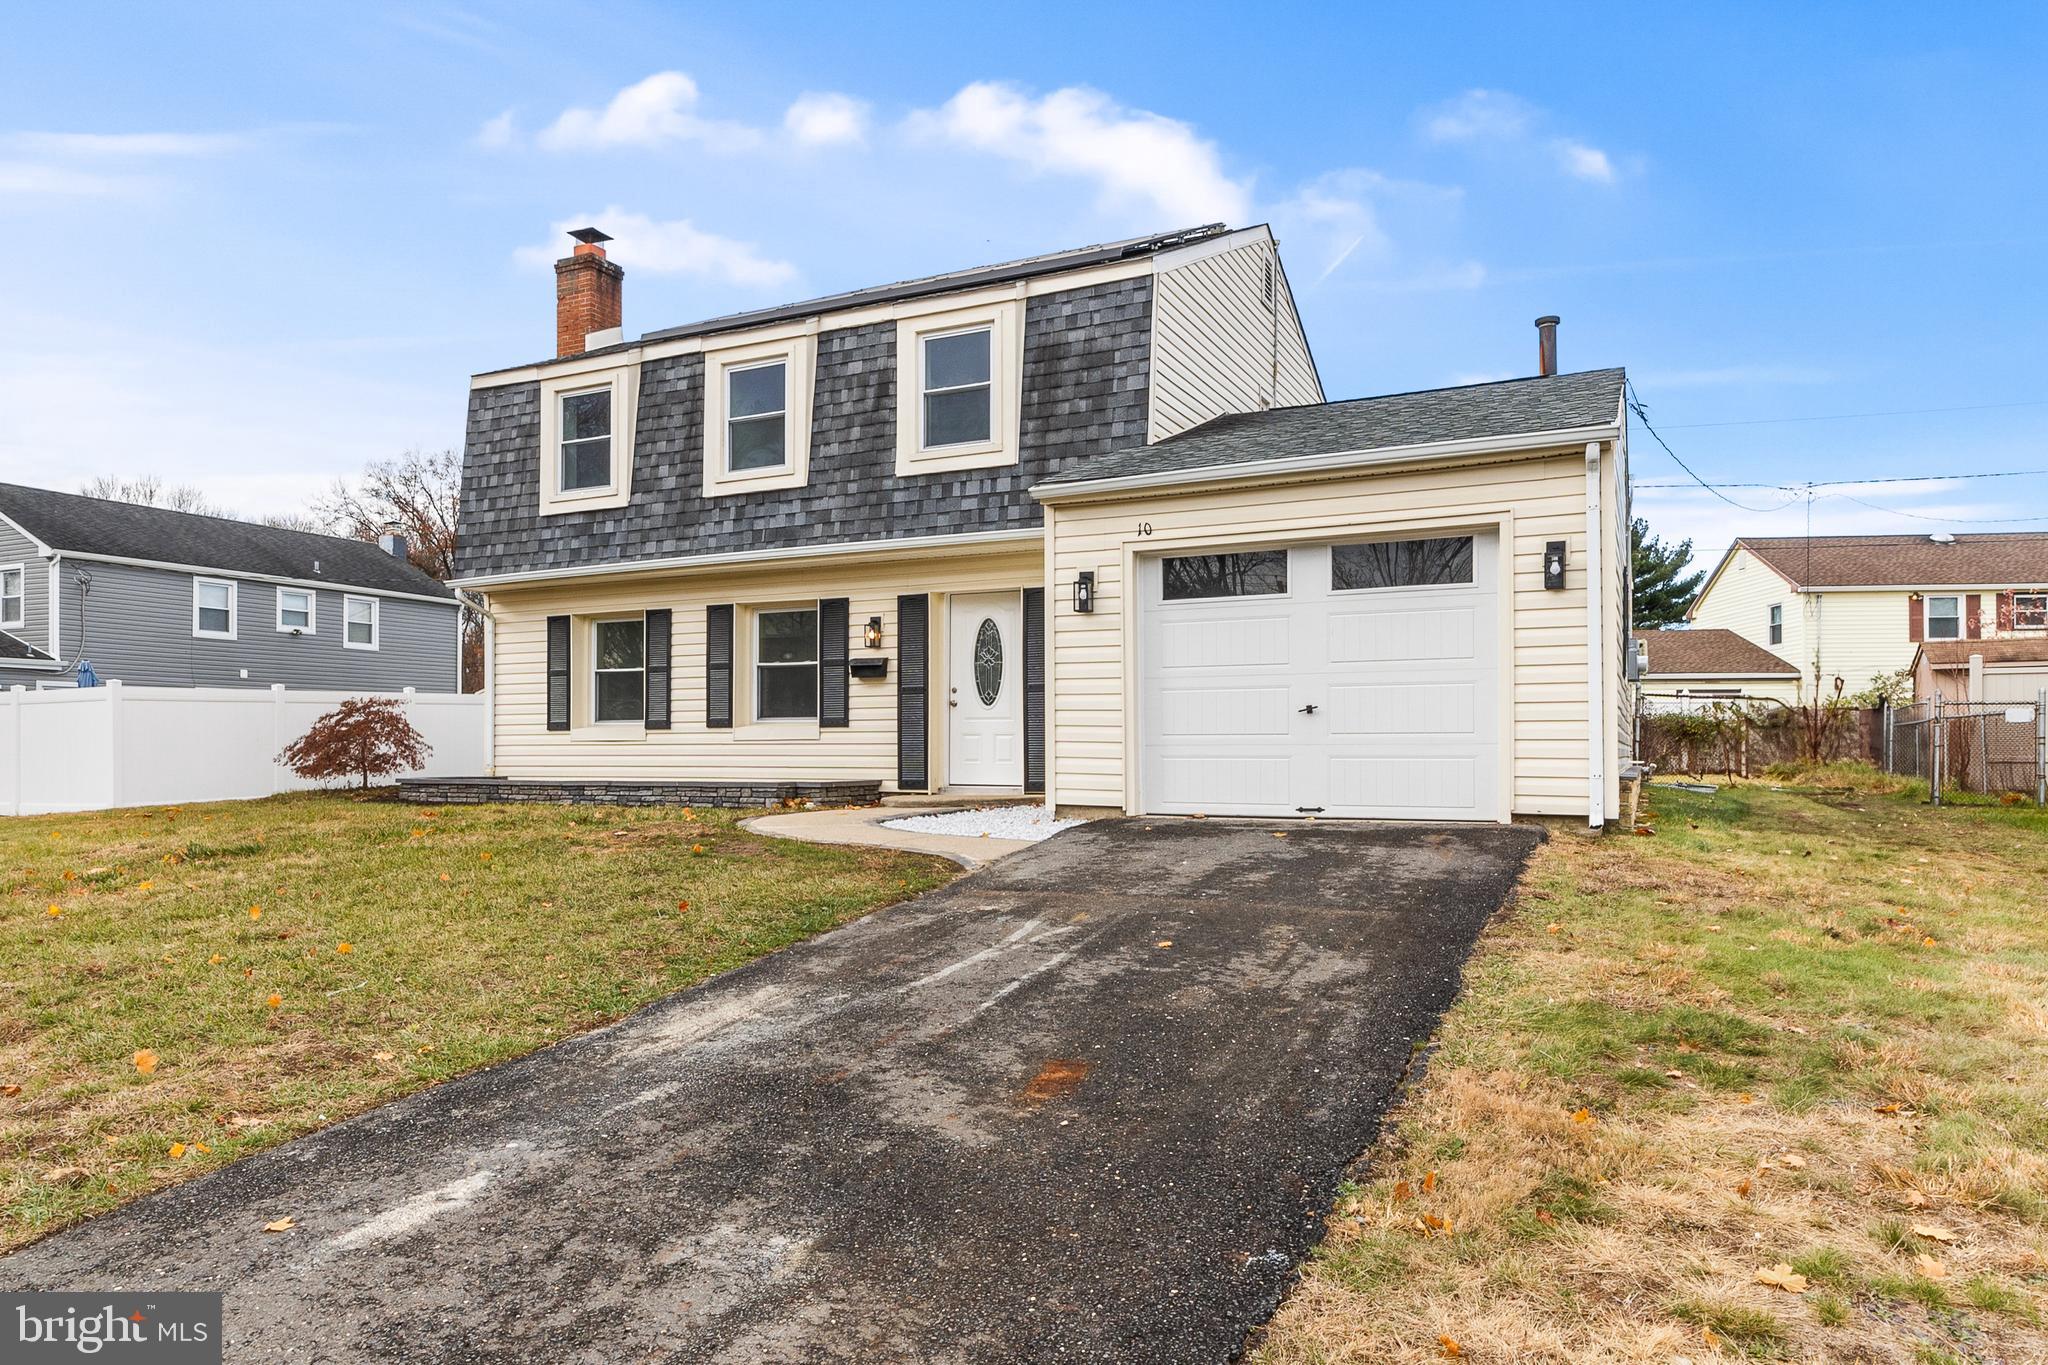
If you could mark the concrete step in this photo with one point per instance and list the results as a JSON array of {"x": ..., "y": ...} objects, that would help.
[{"x": 954, "y": 799}]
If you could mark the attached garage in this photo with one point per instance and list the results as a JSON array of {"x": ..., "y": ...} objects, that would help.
[
  {"x": 1411, "y": 607},
  {"x": 1358, "y": 679}
]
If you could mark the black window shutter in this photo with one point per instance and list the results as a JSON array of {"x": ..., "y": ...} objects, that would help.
[
  {"x": 1034, "y": 689},
  {"x": 659, "y": 628},
  {"x": 718, "y": 667},
  {"x": 558, "y": 673},
  {"x": 913, "y": 713},
  {"x": 832, "y": 701}
]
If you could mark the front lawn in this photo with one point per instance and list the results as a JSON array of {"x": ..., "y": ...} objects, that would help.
[
  {"x": 1772, "y": 1083},
  {"x": 180, "y": 987}
]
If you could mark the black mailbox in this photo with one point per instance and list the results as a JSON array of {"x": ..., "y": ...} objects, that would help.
[{"x": 868, "y": 668}]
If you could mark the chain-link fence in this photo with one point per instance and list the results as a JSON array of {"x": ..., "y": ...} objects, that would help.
[{"x": 1985, "y": 747}]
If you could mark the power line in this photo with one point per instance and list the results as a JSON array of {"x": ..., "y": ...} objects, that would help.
[
  {"x": 1850, "y": 416},
  {"x": 1890, "y": 478},
  {"x": 1635, "y": 405},
  {"x": 1951, "y": 521}
]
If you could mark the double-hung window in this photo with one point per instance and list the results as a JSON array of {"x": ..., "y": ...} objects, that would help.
[
  {"x": 1944, "y": 618},
  {"x": 2030, "y": 611},
  {"x": 295, "y": 610},
  {"x": 756, "y": 416},
  {"x": 786, "y": 664},
  {"x": 1777, "y": 623},
  {"x": 958, "y": 404},
  {"x": 619, "y": 683},
  {"x": 586, "y": 441},
  {"x": 213, "y": 608},
  {"x": 359, "y": 622},
  {"x": 13, "y": 595}
]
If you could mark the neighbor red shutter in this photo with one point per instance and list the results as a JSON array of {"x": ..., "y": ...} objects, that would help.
[
  {"x": 2004, "y": 617},
  {"x": 1916, "y": 618},
  {"x": 1973, "y": 616}
]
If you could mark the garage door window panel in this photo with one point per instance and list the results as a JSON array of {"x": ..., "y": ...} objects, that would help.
[
  {"x": 1436, "y": 562},
  {"x": 1257, "y": 573}
]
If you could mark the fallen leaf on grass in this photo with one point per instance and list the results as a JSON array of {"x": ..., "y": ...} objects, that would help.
[
  {"x": 1546, "y": 1217},
  {"x": 1674, "y": 1073},
  {"x": 55, "y": 912},
  {"x": 1792, "y": 1161},
  {"x": 1916, "y": 1200},
  {"x": 1782, "y": 1276},
  {"x": 1429, "y": 1182},
  {"x": 10, "y": 1090},
  {"x": 1164, "y": 943},
  {"x": 344, "y": 947},
  {"x": 145, "y": 1062},
  {"x": 1935, "y": 1232},
  {"x": 280, "y": 1225},
  {"x": 1402, "y": 1194},
  {"x": 382, "y": 1056},
  {"x": 255, "y": 912},
  {"x": 1552, "y": 927},
  {"x": 1584, "y": 1116},
  {"x": 274, "y": 1001},
  {"x": 1742, "y": 1189},
  {"x": 177, "y": 1151},
  {"x": 1930, "y": 1267},
  {"x": 215, "y": 960},
  {"x": 1452, "y": 1350},
  {"x": 1707, "y": 1335},
  {"x": 66, "y": 1175}
]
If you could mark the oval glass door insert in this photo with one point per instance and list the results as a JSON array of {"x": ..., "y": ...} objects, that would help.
[{"x": 988, "y": 662}]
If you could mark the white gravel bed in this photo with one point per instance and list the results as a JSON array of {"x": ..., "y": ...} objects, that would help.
[{"x": 1029, "y": 823}]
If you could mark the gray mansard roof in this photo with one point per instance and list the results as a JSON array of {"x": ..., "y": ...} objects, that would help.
[
  {"x": 77, "y": 524},
  {"x": 1514, "y": 407}
]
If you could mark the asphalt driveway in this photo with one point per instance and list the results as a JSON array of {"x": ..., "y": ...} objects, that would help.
[{"x": 1087, "y": 1104}]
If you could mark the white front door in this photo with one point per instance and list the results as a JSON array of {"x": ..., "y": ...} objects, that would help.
[
  {"x": 1353, "y": 679},
  {"x": 984, "y": 691}
]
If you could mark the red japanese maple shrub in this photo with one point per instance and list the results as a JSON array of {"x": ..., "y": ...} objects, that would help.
[{"x": 364, "y": 737}]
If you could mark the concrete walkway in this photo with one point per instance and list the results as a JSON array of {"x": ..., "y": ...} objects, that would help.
[{"x": 863, "y": 825}]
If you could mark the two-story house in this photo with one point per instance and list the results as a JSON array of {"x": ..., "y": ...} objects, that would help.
[
  {"x": 174, "y": 599},
  {"x": 1080, "y": 525},
  {"x": 1859, "y": 607}
]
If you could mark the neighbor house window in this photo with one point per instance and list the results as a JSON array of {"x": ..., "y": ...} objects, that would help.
[
  {"x": 586, "y": 453},
  {"x": 1944, "y": 618},
  {"x": 12, "y": 596},
  {"x": 213, "y": 608},
  {"x": 756, "y": 407},
  {"x": 1402, "y": 563},
  {"x": 1777, "y": 624},
  {"x": 957, "y": 395},
  {"x": 786, "y": 664},
  {"x": 2030, "y": 611},
  {"x": 295, "y": 610},
  {"x": 1255, "y": 573},
  {"x": 620, "y": 686},
  {"x": 359, "y": 622}
]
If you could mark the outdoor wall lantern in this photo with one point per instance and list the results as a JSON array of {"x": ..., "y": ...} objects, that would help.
[
  {"x": 1553, "y": 565},
  {"x": 872, "y": 635},
  {"x": 1084, "y": 591}
]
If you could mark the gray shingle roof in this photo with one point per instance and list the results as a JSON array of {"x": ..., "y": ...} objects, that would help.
[
  {"x": 1475, "y": 411},
  {"x": 124, "y": 530},
  {"x": 976, "y": 277},
  {"x": 1683, "y": 653},
  {"x": 2016, "y": 557}
]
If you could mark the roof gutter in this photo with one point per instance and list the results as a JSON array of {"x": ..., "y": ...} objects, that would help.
[
  {"x": 1334, "y": 462},
  {"x": 208, "y": 570}
]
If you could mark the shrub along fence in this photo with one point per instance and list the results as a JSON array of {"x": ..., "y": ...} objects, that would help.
[
  {"x": 96, "y": 748},
  {"x": 1742, "y": 737}
]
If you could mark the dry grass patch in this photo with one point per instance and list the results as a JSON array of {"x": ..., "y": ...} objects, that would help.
[
  {"x": 180, "y": 987},
  {"x": 1770, "y": 1084}
]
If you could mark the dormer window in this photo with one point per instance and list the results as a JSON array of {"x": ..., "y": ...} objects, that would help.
[
  {"x": 757, "y": 407},
  {"x": 957, "y": 400},
  {"x": 586, "y": 439},
  {"x": 757, "y": 415}
]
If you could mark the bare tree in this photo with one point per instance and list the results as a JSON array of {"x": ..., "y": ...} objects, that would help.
[
  {"x": 415, "y": 495},
  {"x": 151, "y": 491}
]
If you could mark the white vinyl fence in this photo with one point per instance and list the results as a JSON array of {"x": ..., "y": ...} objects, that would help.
[{"x": 95, "y": 748}]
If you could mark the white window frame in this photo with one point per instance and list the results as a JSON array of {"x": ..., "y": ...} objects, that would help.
[
  {"x": 1004, "y": 321},
  {"x": 19, "y": 616},
  {"x": 1774, "y": 624},
  {"x": 622, "y": 383},
  {"x": 798, "y": 357},
  {"x": 376, "y": 624},
  {"x": 2040, "y": 621},
  {"x": 754, "y": 664},
  {"x": 234, "y": 608},
  {"x": 726, "y": 375},
  {"x": 598, "y": 623},
  {"x": 1927, "y": 616},
  {"x": 312, "y": 610},
  {"x": 925, "y": 390}
]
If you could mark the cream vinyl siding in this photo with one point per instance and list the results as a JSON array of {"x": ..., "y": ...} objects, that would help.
[
  {"x": 1221, "y": 344},
  {"x": 1859, "y": 635},
  {"x": 1544, "y": 663},
  {"x": 864, "y": 751},
  {"x": 1740, "y": 599},
  {"x": 1614, "y": 510}
]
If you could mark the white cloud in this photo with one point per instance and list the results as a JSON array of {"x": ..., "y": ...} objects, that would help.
[
  {"x": 1341, "y": 221},
  {"x": 126, "y": 144},
  {"x": 1499, "y": 119},
  {"x": 499, "y": 132},
  {"x": 650, "y": 113},
  {"x": 823, "y": 119},
  {"x": 672, "y": 247},
  {"x": 1136, "y": 159},
  {"x": 31, "y": 177}
]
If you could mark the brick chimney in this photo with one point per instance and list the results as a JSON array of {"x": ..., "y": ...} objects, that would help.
[{"x": 586, "y": 292}]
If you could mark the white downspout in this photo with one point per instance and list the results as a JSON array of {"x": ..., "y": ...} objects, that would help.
[{"x": 1596, "y": 649}]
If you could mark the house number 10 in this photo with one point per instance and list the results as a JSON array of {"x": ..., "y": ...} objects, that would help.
[{"x": 1144, "y": 528}]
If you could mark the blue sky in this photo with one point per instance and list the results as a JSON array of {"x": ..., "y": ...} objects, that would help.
[{"x": 257, "y": 246}]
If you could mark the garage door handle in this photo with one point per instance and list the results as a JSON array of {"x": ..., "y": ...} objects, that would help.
[{"x": 1309, "y": 710}]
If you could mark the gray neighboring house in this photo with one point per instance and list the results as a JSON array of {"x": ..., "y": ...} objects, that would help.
[{"x": 174, "y": 599}]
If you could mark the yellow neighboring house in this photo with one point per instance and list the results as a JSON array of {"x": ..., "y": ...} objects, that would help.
[{"x": 1859, "y": 607}]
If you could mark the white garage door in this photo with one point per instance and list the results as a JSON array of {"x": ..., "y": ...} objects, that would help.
[{"x": 1355, "y": 679}]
